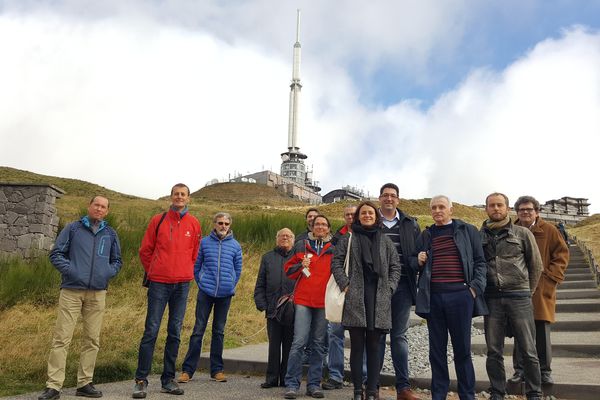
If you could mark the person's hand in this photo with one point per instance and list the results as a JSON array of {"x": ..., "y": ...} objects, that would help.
[
  {"x": 346, "y": 289},
  {"x": 422, "y": 258},
  {"x": 473, "y": 292},
  {"x": 305, "y": 262}
]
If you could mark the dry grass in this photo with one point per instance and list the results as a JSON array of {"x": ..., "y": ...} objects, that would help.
[{"x": 588, "y": 231}]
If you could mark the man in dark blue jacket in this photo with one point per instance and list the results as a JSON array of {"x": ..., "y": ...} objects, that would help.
[
  {"x": 403, "y": 230},
  {"x": 217, "y": 272},
  {"x": 449, "y": 293},
  {"x": 87, "y": 254}
]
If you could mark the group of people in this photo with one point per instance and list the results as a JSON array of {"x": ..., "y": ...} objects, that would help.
[
  {"x": 451, "y": 272},
  {"x": 173, "y": 253}
]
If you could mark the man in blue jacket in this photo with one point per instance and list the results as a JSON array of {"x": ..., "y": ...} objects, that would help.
[
  {"x": 452, "y": 277},
  {"x": 87, "y": 254},
  {"x": 217, "y": 272}
]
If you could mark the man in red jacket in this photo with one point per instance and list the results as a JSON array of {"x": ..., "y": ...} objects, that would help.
[{"x": 168, "y": 253}]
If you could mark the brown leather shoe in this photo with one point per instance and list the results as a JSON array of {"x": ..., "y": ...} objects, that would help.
[{"x": 406, "y": 394}]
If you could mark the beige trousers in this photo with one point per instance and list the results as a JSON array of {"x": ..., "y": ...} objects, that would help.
[{"x": 71, "y": 304}]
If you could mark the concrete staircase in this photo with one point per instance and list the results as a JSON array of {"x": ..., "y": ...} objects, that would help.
[{"x": 575, "y": 338}]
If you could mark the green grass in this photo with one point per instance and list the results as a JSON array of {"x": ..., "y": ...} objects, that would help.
[{"x": 35, "y": 281}]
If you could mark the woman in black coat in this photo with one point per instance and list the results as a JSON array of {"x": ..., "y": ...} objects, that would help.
[
  {"x": 271, "y": 284},
  {"x": 373, "y": 274}
]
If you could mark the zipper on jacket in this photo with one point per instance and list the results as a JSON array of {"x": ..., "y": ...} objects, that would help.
[
  {"x": 93, "y": 259},
  {"x": 218, "y": 267}
]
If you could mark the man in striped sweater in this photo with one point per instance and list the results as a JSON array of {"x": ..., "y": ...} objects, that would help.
[{"x": 452, "y": 278}]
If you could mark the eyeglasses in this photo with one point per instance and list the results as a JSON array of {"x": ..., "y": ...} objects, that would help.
[
  {"x": 321, "y": 224},
  {"x": 527, "y": 210},
  {"x": 223, "y": 223},
  {"x": 388, "y": 195}
]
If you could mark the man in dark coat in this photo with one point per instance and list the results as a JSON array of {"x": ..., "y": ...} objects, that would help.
[
  {"x": 450, "y": 292},
  {"x": 271, "y": 284},
  {"x": 403, "y": 230}
]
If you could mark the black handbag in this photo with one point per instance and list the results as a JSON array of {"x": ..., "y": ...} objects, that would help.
[{"x": 285, "y": 309}]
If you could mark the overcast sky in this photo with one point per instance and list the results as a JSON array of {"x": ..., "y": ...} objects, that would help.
[{"x": 442, "y": 97}]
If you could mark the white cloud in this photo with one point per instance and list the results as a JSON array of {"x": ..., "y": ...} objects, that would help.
[{"x": 135, "y": 96}]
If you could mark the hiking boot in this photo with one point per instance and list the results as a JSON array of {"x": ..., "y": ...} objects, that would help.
[
  {"x": 49, "y": 394},
  {"x": 88, "y": 391},
  {"x": 184, "y": 377},
  {"x": 219, "y": 377},
  {"x": 315, "y": 392},
  {"x": 139, "y": 389},
  {"x": 290, "y": 394},
  {"x": 171, "y": 387},
  {"x": 331, "y": 384},
  {"x": 516, "y": 378}
]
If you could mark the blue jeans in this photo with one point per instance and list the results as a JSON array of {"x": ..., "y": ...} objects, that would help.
[
  {"x": 204, "y": 305},
  {"x": 519, "y": 313},
  {"x": 308, "y": 321},
  {"x": 335, "y": 359},
  {"x": 159, "y": 296},
  {"x": 451, "y": 313},
  {"x": 401, "y": 303}
]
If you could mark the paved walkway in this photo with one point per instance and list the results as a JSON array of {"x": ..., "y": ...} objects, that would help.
[{"x": 237, "y": 387}]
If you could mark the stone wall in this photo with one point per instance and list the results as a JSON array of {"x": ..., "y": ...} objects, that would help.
[{"x": 28, "y": 219}]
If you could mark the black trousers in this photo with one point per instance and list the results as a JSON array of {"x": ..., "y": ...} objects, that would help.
[
  {"x": 543, "y": 346},
  {"x": 280, "y": 342},
  {"x": 361, "y": 339}
]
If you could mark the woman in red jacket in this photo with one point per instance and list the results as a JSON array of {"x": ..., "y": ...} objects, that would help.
[{"x": 310, "y": 265}]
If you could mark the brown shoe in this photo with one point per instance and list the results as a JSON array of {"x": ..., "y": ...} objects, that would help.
[
  {"x": 406, "y": 394},
  {"x": 219, "y": 377},
  {"x": 184, "y": 378}
]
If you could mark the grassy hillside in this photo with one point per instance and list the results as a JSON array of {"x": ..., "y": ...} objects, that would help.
[
  {"x": 588, "y": 231},
  {"x": 29, "y": 292}
]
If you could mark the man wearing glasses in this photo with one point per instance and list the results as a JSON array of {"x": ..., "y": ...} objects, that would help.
[
  {"x": 403, "y": 230},
  {"x": 555, "y": 258},
  {"x": 217, "y": 272}
]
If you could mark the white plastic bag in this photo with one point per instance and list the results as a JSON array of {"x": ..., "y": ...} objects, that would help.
[{"x": 334, "y": 297}]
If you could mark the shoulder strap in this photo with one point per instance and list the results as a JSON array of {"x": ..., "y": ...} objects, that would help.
[
  {"x": 347, "y": 260},
  {"x": 162, "y": 218}
]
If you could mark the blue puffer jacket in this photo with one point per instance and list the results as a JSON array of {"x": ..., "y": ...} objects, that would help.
[
  {"x": 219, "y": 265},
  {"x": 86, "y": 260}
]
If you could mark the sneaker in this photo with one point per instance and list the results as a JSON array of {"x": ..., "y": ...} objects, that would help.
[
  {"x": 315, "y": 393},
  {"x": 331, "y": 384},
  {"x": 88, "y": 391},
  {"x": 290, "y": 394},
  {"x": 49, "y": 394},
  {"x": 516, "y": 378},
  {"x": 219, "y": 377},
  {"x": 171, "y": 387},
  {"x": 268, "y": 385},
  {"x": 184, "y": 377},
  {"x": 139, "y": 389}
]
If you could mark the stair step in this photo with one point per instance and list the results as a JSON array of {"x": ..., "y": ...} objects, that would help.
[
  {"x": 564, "y": 344},
  {"x": 574, "y": 378},
  {"x": 578, "y": 294},
  {"x": 582, "y": 284},
  {"x": 578, "y": 306},
  {"x": 579, "y": 276}
]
